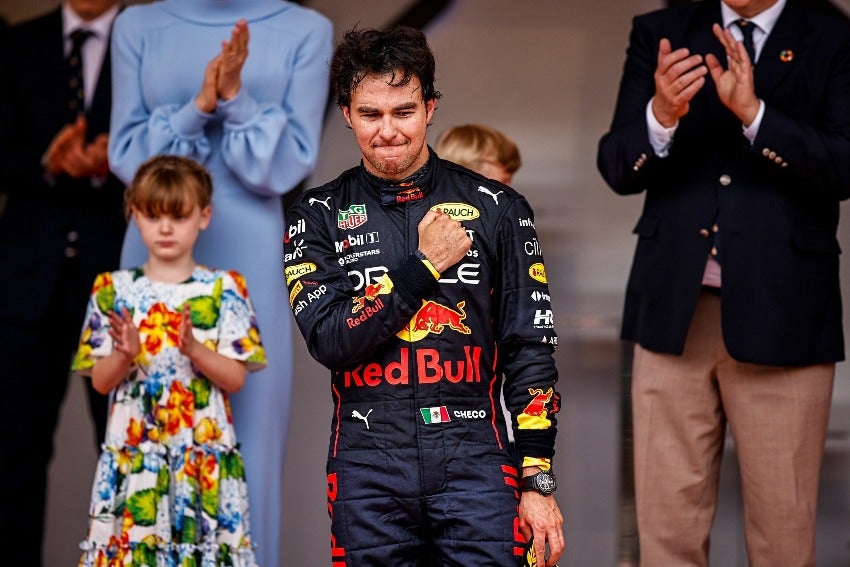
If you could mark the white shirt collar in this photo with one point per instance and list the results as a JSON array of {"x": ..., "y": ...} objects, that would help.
[
  {"x": 765, "y": 19},
  {"x": 100, "y": 26}
]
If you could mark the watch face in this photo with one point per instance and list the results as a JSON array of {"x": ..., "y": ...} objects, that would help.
[{"x": 546, "y": 483}]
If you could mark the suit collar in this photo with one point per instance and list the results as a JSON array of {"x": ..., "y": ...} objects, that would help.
[
  {"x": 100, "y": 26},
  {"x": 777, "y": 55},
  {"x": 765, "y": 20}
]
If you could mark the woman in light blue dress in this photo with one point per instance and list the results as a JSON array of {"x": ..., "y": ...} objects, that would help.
[{"x": 258, "y": 139}]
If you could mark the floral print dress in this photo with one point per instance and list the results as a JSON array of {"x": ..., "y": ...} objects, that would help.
[{"x": 169, "y": 488}]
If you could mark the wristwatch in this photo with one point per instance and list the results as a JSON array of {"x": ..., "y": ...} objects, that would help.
[{"x": 543, "y": 482}]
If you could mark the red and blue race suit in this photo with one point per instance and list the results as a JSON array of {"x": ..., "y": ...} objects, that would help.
[{"x": 419, "y": 464}]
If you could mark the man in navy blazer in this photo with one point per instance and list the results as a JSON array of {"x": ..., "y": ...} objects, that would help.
[
  {"x": 742, "y": 151},
  {"x": 62, "y": 224}
]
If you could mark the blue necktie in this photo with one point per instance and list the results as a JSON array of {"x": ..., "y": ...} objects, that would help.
[
  {"x": 74, "y": 62},
  {"x": 747, "y": 28}
]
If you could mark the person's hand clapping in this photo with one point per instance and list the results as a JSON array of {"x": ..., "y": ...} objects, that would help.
[
  {"x": 207, "y": 98},
  {"x": 69, "y": 153},
  {"x": 735, "y": 85},
  {"x": 232, "y": 58},
  {"x": 187, "y": 344},
  {"x": 678, "y": 77},
  {"x": 124, "y": 333}
]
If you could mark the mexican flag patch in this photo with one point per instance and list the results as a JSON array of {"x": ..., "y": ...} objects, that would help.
[{"x": 435, "y": 415}]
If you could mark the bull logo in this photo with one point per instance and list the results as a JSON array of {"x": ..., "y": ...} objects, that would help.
[
  {"x": 537, "y": 407},
  {"x": 412, "y": 194},
  {"x": 433, "y": 317},
  {"x": 371, "y": 292}
]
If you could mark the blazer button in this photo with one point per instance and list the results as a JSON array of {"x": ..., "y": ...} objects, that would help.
[
  {"x": 703, "y": 232},
  {"x": 765, "y": 152},
  {"x": 714, "y": 251},
  {"x": 725, "y": 180}
]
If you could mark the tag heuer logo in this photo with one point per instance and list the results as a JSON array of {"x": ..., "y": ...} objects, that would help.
[{"x": 351, "y": 218}]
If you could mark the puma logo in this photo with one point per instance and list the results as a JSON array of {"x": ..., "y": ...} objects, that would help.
[
  {"x": 482, "y": 189},
  {"x": 315, "y": 200},
  {"x": 365, "y": 418}
]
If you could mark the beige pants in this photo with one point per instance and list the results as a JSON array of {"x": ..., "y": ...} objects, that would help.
[{"x": 778, "y": 418}]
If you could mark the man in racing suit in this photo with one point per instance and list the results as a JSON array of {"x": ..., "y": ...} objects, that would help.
[{"x": 420, "y": 284}]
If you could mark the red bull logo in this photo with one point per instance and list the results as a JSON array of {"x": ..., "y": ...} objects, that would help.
[
  {"x": 430, "y": 366},
  {"x": 536, "y": 413},
  {"x": 412, "y": 194},
  {"x": 367, "y": 313},
  {"x": 383, "y": 286},
  {"x": 370, "y": 292},
  {"x": 433, "y": 317},
  {"x": 538, "y": 401}
]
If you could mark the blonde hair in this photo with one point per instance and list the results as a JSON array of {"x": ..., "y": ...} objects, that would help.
[
  {"x": 472, "y": 144},
  {"x": 168, "y": 185}
]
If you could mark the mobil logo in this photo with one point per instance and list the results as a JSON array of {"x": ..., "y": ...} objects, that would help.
[
  {"x": 293, "y": 229},
  {"x": 433, "y": 317},
  {"x": 352, "y": 240}
]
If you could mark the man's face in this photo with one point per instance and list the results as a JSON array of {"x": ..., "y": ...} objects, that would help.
[
  {"x": 749, "y": 8},
  {"x": 389, "y": 124},
  {"x": 91, "y": 9}
]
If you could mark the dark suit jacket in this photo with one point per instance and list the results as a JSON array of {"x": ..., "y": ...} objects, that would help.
[
  {"x": 778, "y": 200},
  {"x": 38, "y": 214}
]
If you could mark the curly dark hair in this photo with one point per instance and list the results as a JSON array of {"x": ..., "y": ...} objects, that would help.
[{"x": 401, "y": 52}]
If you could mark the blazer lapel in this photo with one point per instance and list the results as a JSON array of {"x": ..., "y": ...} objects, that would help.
[{"x": 781, "y": 50}]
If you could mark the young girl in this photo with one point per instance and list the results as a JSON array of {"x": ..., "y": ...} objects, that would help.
[{"x": 169, "y": 339}]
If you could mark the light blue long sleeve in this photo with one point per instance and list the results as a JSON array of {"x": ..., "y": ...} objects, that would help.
[{"x": 267, "y": 137}]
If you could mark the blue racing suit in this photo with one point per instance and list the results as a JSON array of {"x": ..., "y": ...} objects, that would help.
[{"x": 419, "y": 471}]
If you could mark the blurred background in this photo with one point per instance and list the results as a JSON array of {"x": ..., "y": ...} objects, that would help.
[{"x": 546, "y": 74}]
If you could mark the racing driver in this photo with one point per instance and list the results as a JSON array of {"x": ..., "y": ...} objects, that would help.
[{"x": 421, "y": 286}]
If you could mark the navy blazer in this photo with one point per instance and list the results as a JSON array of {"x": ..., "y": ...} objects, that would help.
[
  {"x": 38, "y": 214},
  {"x": 778, "y": 199}
]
